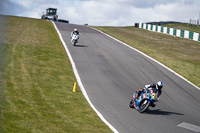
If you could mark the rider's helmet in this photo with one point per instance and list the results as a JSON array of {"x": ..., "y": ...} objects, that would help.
[
  {"x": 159, "y": 85},
  {"x": 75, "y": 30}
]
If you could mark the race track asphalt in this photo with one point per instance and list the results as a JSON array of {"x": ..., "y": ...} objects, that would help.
[{"x": 111, "y": 72}]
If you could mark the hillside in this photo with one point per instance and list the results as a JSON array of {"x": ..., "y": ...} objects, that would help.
[
  {"x": 37, "y": 81},
  {"x": 36, "y": 78}
]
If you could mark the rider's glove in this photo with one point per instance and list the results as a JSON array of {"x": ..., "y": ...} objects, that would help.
[
  {"x": 157, "y": 99},
  {"x": 147, "y": 86}
]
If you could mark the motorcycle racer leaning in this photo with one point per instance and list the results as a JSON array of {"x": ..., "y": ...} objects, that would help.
[{"x": 157, "y": 88}]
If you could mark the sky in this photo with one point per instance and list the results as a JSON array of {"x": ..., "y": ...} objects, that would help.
[{"x": 106, "y": 12}]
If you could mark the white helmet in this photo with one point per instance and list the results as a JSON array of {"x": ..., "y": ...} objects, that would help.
[
  {"x": 75, "y": 30},
  {"x": 159, "y": 85}
]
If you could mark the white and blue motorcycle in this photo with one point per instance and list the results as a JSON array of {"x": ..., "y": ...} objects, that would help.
[{"x": 75, "y": 38}]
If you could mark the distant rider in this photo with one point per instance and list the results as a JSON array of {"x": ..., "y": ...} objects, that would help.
[
  {"x": 75, "y": 32},
  {"x": 156, "y": 88}
]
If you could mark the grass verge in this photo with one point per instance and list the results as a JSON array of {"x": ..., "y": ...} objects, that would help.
[
  {"x": 179, "y": 54},
  {"x": 37, "y": 81}
]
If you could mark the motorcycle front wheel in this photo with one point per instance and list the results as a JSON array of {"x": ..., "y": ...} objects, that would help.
[
  {"x": 131, "y": 104},
  {"x": 144, "y": 105},
  {"x": 75, "y": 42}
]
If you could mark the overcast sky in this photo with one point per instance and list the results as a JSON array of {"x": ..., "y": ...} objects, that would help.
[{"x": 106, "y": 12}]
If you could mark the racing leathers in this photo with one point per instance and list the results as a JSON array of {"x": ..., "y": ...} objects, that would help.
[
  {"x": 153, "y": 87},
  {"x": 74, "y": 32}
]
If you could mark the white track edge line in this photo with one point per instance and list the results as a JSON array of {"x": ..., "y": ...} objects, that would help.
[
  {"x": 149, "y": 58},
  {"x": 80, "y": 82}
]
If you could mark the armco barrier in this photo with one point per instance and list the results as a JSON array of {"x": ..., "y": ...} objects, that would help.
[{"x": 170, "y": 31}]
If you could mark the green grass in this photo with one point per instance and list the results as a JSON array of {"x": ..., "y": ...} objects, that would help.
[
  {"x": 36, "y": 78},
  {"x": 179, "y": 54},
  {"x": 36, "y": 82},
  {"x": 187, "y": 27}
]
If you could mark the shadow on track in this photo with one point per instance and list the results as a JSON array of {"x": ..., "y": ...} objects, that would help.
[
  {"x": 160, "y": 112},
  {"x": 80, "y": 45}
]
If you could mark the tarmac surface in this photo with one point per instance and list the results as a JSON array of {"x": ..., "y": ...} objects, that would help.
[{"x": 111, "y": 72}]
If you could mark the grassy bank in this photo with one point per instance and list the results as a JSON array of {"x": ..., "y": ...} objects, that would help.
[
  {"x": 37, "y": 82},
  {"x": 181, "y": 55}
]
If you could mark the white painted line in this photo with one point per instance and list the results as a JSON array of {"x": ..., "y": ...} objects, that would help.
[
  {"x": 149, "y": 58},
  {"x": 189, "y": 127},
  {"x": 80, "y": 82}
]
